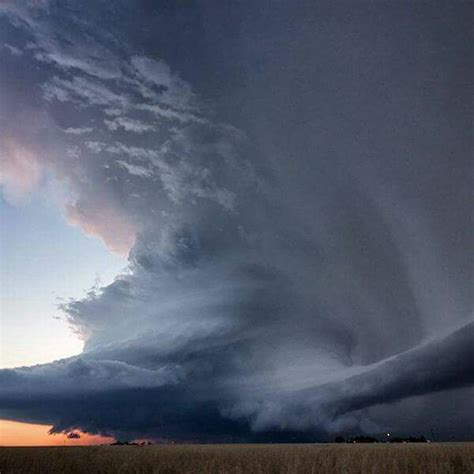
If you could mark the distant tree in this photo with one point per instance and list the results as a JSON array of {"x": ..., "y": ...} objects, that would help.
[
  {"x": 340, "y": 439},
  {"x": 362, "y": 439},
  {"x": 411, "y": 439}
]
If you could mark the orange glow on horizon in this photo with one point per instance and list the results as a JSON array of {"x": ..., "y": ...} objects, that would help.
[{"x": 13, "y": 433}]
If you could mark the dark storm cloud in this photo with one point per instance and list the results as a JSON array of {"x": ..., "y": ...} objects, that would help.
[
  {"x": 294, "y": 213},
  {"x": 438, "y": 365}
]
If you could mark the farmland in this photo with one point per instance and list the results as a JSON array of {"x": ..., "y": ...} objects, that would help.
[{"x": 241, "y": 458}]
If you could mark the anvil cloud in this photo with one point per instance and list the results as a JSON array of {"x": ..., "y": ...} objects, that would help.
[{"x": 291, "y": 192}]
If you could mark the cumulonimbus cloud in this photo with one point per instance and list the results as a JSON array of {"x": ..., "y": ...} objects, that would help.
[{"x": 254, "y": 303}]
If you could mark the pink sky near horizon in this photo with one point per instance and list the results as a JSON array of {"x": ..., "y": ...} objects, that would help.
[{"x": 13, "y": 433}]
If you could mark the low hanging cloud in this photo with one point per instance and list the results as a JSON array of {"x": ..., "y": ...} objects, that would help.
[{"x": 258, "y": 303}]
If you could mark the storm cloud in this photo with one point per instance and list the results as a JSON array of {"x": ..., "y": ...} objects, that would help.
[{"x": 291, "y": 188}]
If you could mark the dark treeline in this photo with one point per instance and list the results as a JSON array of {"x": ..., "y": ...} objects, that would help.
[{"x": 370, "y": 439}]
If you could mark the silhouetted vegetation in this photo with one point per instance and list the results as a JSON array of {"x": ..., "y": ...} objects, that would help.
[
  {"x": 130, "y": 443},
  {"x": 370, "y": 439},
  {"x": 362, "y": 439},
  {"x": 411, "y": 439}
]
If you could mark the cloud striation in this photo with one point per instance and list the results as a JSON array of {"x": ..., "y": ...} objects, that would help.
[{"x": 271, "y": 293}]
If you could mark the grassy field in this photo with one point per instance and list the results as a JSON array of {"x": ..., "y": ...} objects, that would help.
[{"x": 252, "y": 459}]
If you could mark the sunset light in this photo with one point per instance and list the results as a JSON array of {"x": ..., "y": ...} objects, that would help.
[{"x": 13, "y": 433}]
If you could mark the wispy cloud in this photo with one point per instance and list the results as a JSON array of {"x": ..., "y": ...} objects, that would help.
[
  {"x": 81, "y": 90},
  {"x": 78, "y": 130},
  {"x": 129, "y": 125},
  {"x": 13, "y": 50}
]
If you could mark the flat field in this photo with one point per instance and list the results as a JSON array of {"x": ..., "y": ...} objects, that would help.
[{"x": 432, "y": 458}]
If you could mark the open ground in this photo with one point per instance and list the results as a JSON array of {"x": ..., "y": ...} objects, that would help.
[{"x": 243, "y": 458}]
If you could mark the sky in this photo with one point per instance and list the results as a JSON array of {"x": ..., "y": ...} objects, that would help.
[
  {"x": 235, "y": 221},
  {"x": 13, "y": 433},
  {"x": 38, "y": 252}
]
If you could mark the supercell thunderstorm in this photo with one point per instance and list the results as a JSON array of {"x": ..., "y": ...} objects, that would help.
[{"x": 272, "y": 289}]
